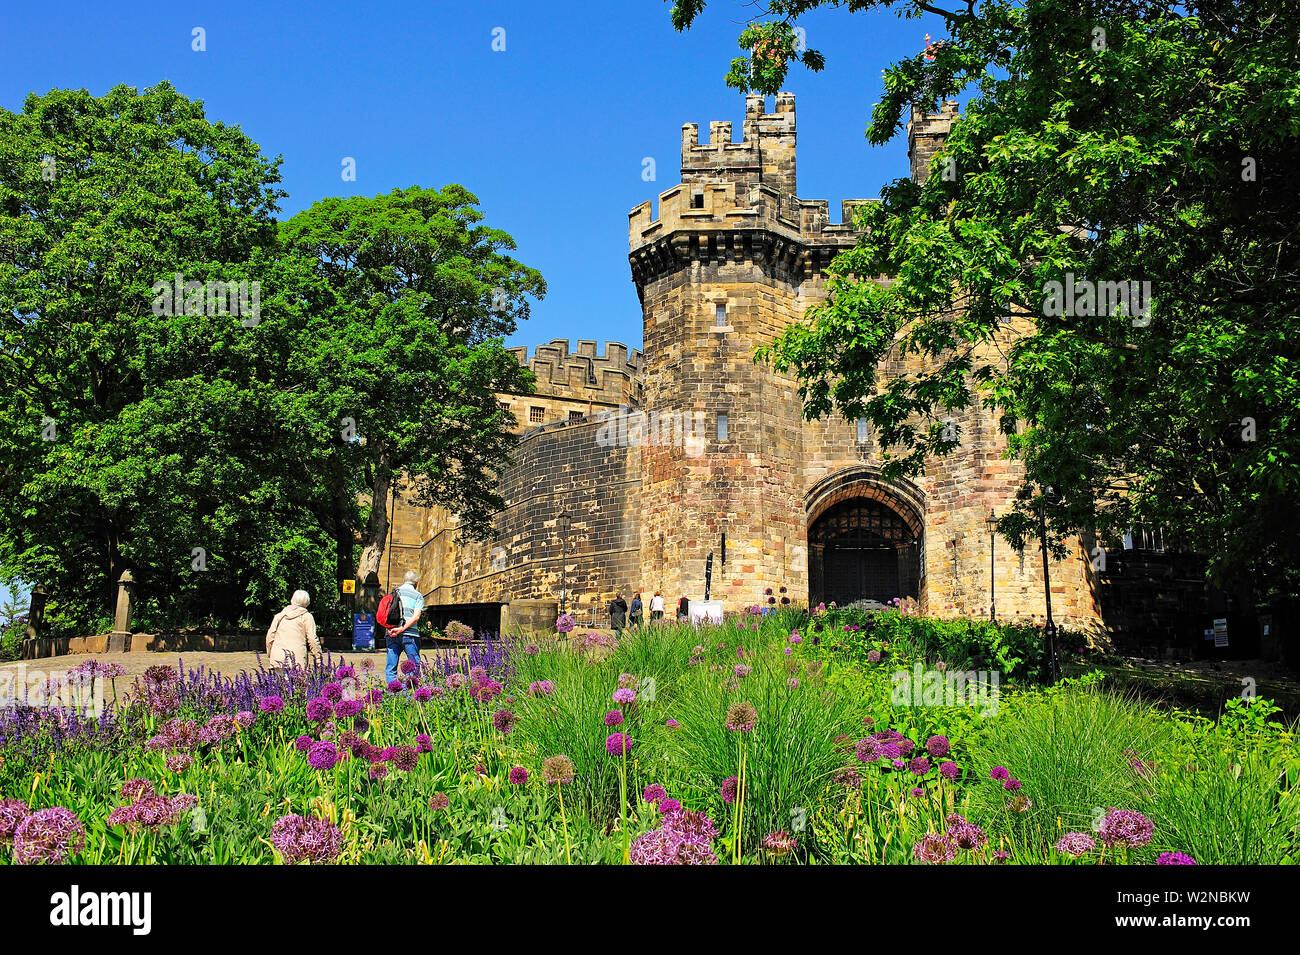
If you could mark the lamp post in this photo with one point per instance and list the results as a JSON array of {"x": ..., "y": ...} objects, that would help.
[
  {"x": 992, "y": 522},
  {"x": 1049, "y": 632},
  {"x": 562, "y": 524}
]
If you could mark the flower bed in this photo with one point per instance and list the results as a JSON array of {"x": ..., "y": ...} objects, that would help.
[{"x": 778, "y": 737}]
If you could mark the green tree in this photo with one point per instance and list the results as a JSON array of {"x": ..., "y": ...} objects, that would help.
[
  {"x": 1112, "y": 141},
  {"x": 412, "y": 356},
  {"x": 201, "y": 442}
]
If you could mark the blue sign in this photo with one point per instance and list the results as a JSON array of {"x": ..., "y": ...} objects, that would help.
[{"x": 363, "y": 631}]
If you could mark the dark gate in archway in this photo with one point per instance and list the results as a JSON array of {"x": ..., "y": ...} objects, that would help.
[{"x": 862, "y": 549}]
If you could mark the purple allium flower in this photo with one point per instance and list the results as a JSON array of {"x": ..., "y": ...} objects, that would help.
[
  {"x": 938, "y": 746},
  {"x": 48, "y": 835},
  {"x": 624, "y": 696},
  {"x": 345, "y": 672},
  {"x": 1020, "y": 803},
  {"x": 424, "y": 743},
  {"x": 780, "y": 843},
  {"x": 306, "y": 840},
  {"x": 1075, "y": 844},
  {"x": 742, "y": 717},
  {"x": 396, "y": 686},
  {"x": 478, "y": 674},
  {"x": 934, "y": 849},
  {"x": 532, "y": 649},
  {"x": 439, "y": 801},
  {"x": 792, "y": 683},
  {"x": 867, "y": 750},
  {"x": 423, "y": 695},
  {"x": 332, "y": 692},
  {"x": 404, "y": 758},
  {"x": 730, "y": 787},
  {"x": 346, "y": 708},
  {"x": 794, "y": 637},
  {"x": 1125, "y": 827},
  {"x": 1174, "y": 858},
  {"x": 849, "y": 778},
  {"x": 303, "y": 743},
  {"x": 900, "y": 764},
  {"x": 999, "y": 773},
  {"x": 245, "y": 719},
  {"x": 1012, "y": 784},
  {"x": 378, "y": 771},
  {"x": 618, "y": 744},
  {"x": 377, "y": 695},
  {"x": 684, "y": 838},
  {"x": 179, "y": 762},
  {"x": 889, "y": 751},
  {"x": 654, "y": 793},
  {"x": 455, "y": 681},
  {"x": 407, "y": 666},
  {"x": 564, "y": 623},
  {"x": 557, "y": 769},
  {"x": 218, "y": 729},
  {"x": 319, "y": 710},
  {"x": 518, "y": 775},
  {"x": 503, "y": 720},
  {"x": 1001, "y": 856},
  {"x": 742, "y": 670},
  {"x": 966, "y": 835},
  {"x": 134, "y": 788},
  {"x": 919, "y": 766},
  {"x": 672, "y": 724},
  {"x": 905, "y": 745},
  {"x": 12, "y": 812},
  {"x": 322, "y": 755},
  {"x": 949, "y": 770},
  {"x": 367, "y": 664},
  {"x": 271, "y": 704},
  {"x": 668, "y": 805},
  {"x": 873, "y": 656},
  {"x": 788, "y": 651},
  {"x": 613, "y": 718}
]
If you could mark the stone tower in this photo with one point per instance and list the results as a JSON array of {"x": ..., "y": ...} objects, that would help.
[{"x": 731, "y": 259}]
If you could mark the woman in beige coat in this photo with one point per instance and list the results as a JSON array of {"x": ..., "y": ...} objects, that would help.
[{"x": 292, "y": 633}]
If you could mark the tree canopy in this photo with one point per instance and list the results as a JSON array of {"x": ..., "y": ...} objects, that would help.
[
  {"x": 1116, "y": 142},
  {"x": 226, "y": 442}
]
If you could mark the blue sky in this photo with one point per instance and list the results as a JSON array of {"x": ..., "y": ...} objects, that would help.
[{"x": 549, "y": 134}]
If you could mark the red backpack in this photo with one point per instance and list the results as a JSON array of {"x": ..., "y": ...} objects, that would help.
[{"x": 389, "y": 612}]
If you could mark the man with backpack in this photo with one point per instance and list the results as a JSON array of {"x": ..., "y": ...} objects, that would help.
[{"x": 399, "y": 613}]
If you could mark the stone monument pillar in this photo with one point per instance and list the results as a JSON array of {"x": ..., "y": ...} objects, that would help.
[{"x": 120, "y": 639}]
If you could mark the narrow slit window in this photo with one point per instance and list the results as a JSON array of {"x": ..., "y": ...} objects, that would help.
[
  {"x": 863, "y": 433},
  {"x": 697, "y": 200},
  {"x": 722, "y": 427},
  {"x": 719, "y": 316}
]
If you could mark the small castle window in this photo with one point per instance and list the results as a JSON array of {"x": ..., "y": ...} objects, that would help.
[
  {"x": 863, "y": 433},
  {"x": 576, "y": 417},
  {"x": 722, "y": 428},
  {"x": 503, "y": 405},
  {"x": 720, "y": 316},
  {"x": 697, "y": 200},
  {"x": 536, "y": 415}
]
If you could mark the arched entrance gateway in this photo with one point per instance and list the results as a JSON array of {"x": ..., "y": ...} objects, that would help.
[{"x": 865, "y": 538}]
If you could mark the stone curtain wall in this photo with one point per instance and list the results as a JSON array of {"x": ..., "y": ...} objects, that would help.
[{"x": 555, "y": 470}]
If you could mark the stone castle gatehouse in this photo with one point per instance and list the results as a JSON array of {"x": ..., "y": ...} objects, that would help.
[{"x": 659, "y": 457}]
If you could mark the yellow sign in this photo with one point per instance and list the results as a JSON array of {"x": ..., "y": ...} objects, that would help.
[{"x": 349, "y": 586}]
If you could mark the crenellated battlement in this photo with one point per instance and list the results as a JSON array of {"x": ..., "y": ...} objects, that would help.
[
  {"x": 926, "y": 134},
  {"x": 746, "y": 189},
  {"x": 765, "y": 154},
  {"x": 584, "y": 372}
]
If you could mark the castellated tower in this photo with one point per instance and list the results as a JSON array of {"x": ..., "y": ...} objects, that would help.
[{"x": 732, "y": 258}]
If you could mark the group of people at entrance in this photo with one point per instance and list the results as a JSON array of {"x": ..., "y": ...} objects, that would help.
[{"x": 622, "y": 614}]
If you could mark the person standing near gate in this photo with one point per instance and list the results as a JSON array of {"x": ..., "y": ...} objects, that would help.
[
  {"x": 406, "y": 638},
  {"x": 657, "y": 606},
  {"x": 618, "y": 613},
  {"x": 635, "y": 611}
]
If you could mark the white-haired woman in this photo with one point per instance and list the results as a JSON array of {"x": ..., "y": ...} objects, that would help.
[{"x": 292, "y": 633}]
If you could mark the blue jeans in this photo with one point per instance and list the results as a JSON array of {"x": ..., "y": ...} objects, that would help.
[{"x": 408, "y": 641}]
